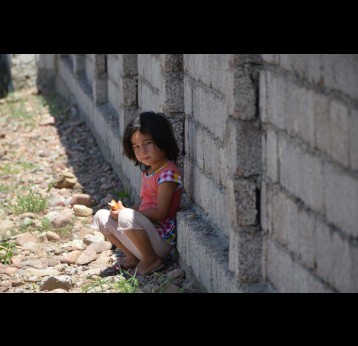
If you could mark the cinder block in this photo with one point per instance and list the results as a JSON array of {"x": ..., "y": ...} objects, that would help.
[
  {"x": 336, "y": 259},
  {"x": 212, "y": 198},
  {"x": 113, "y": 95},
  {"x": 353, "y": 139},
  {"x": 332, "y": 128},
  {"x": 148, "y": 98},
  {"x": 270, "y": 153},
  {"x": 100, "y": 89},
  {"x": 149, "y": 69},
  {"x": 79, "y": 64},
  {"x": 89, "y": 68},
  {"x": 293, "y": 227},
  {"x": 301, "y": 173},
  {"x": 130, "y": 65},
  {"x": 272, "y": 100},
  {"x": 264, "y": 206},
  {"x": 210, "y": 111},
  {"x": 205, "y": 253},
  {"x": 171, "y": 62},
  {"x": 178, "y": 129},
  {"x": 288, "y": 275},
  {"x": 214, "y": 159},
  {"x": 100, "y": 64},
  {"x": 271, "y": 58},
  {"x": 188, "y": 96},
  {"x": 113, "y": 67},
  {"x": 341, "y": 199},
  {"x": 333, "y": 71},
  {"x": 307, "y": 66},
  {"x": 278, "y": 227},
  {"x": 210, "y": 69},
  {"x": 287, "y": 106},
  {"x": 242, "y": 84},
  {"x": 245, "y": 59},
  {"x": 171, "y": 92},
  {"x": 245, "y": 254},
  {"x": 339, "y": 72},
  {"x": 129, "y": 92},
  {"x": 242, "y": 202},
  {"x": 243, "y": 148}
]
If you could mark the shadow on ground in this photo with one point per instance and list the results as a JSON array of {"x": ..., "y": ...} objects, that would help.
[{"x": 84, "y": 157}]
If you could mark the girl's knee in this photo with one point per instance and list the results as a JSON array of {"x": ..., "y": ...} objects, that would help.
[
  {"x": 126, "y": 218},
  {"x": 101, "y": 217}
]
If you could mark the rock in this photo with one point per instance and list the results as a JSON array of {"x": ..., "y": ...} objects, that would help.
[
  {"x": 70, "y": 257},
  {"x": 64, "y": 182},
  {"x": 91, "y": 238},
  {"x": 84, "y": 231},
  {"x": 82, "y": 199},
  {"x": 36, "y": 263},
  {"x": 24, "y": 238},
  {"x": 59, "y": 282},
  {"x": 52, "y": 236},
  {"x": 81, "y": 210},
  {"x": 62, "y": 220},
  {"x": 31, "y": 246},
  {"x": 171, "y": 288},
  {"x": 76, "y": 244},
  {"x": 176, "y": 274},
  {"x": 100, "y": 246},
  {"x": 5, "y": 228},
  {"x": 87, "y": 256}
]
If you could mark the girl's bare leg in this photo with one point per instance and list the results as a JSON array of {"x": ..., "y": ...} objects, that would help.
[
  {"x": 130, "y": 261},
  {"x": 150, "y": 261}
]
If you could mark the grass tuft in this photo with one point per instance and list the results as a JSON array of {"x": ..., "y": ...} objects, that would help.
[
  {"x": 6, "y": 251},
  {"x": 31, "y": 202}
]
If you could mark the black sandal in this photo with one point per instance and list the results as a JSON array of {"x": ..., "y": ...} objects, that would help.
[{"x": 111, "y": 271}]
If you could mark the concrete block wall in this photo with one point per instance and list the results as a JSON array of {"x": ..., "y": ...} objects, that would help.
[
  {"x": 308, "y": 107},
  {"x": 268, "y": 155}
]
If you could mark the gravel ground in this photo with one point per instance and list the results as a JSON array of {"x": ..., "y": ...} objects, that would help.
[{"x": 53, "y": 179}]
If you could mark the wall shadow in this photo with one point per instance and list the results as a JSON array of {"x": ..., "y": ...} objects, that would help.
[
  {"x": 5, "y": 75},
  {"x": 84, "y": 157}
]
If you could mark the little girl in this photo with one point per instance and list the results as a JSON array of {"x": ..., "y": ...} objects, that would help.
[{"x": 147, "y": 232}]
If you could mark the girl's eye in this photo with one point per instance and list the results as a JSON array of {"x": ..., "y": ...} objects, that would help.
[{"x": 148, "y": 142}]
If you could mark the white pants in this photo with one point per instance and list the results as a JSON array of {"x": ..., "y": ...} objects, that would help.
[{"x": 129, "y": 219}]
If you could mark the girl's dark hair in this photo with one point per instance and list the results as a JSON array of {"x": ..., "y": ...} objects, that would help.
[{"x": 161, "y": 130}]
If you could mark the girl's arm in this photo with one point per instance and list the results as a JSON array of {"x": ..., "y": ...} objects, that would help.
[{"x": 165, "y": 197}]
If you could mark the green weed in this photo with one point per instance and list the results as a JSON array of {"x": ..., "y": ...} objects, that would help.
[
  {"x": 6, "y": 251},
  {"x": 9, "y": 169},
  {"x": 17, "y": 167},
  {"x": 45, "y": 224},
  {"x": 124, "y": 285},
  {"x": 31, "y": 202},
  {"x": 121, "y": 195},
  {"x": 163, "y": 281},
  {"x": 118, "y": 283},
  {"x": 6, "y": 188}
]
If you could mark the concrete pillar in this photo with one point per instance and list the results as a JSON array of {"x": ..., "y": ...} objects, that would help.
[
  {"x": 100, "y": 87},
  {"x": 129, "y": 95},
  {"x": 79, "y": 64}
]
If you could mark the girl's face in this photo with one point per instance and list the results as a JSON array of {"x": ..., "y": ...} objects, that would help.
[{"x": 146, "y": 151}]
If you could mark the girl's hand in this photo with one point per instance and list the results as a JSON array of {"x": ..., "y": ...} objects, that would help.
[{"x": 114, "y": 213}]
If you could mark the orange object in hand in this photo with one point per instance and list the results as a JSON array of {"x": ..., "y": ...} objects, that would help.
[{"x": 113, "y": 204}]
